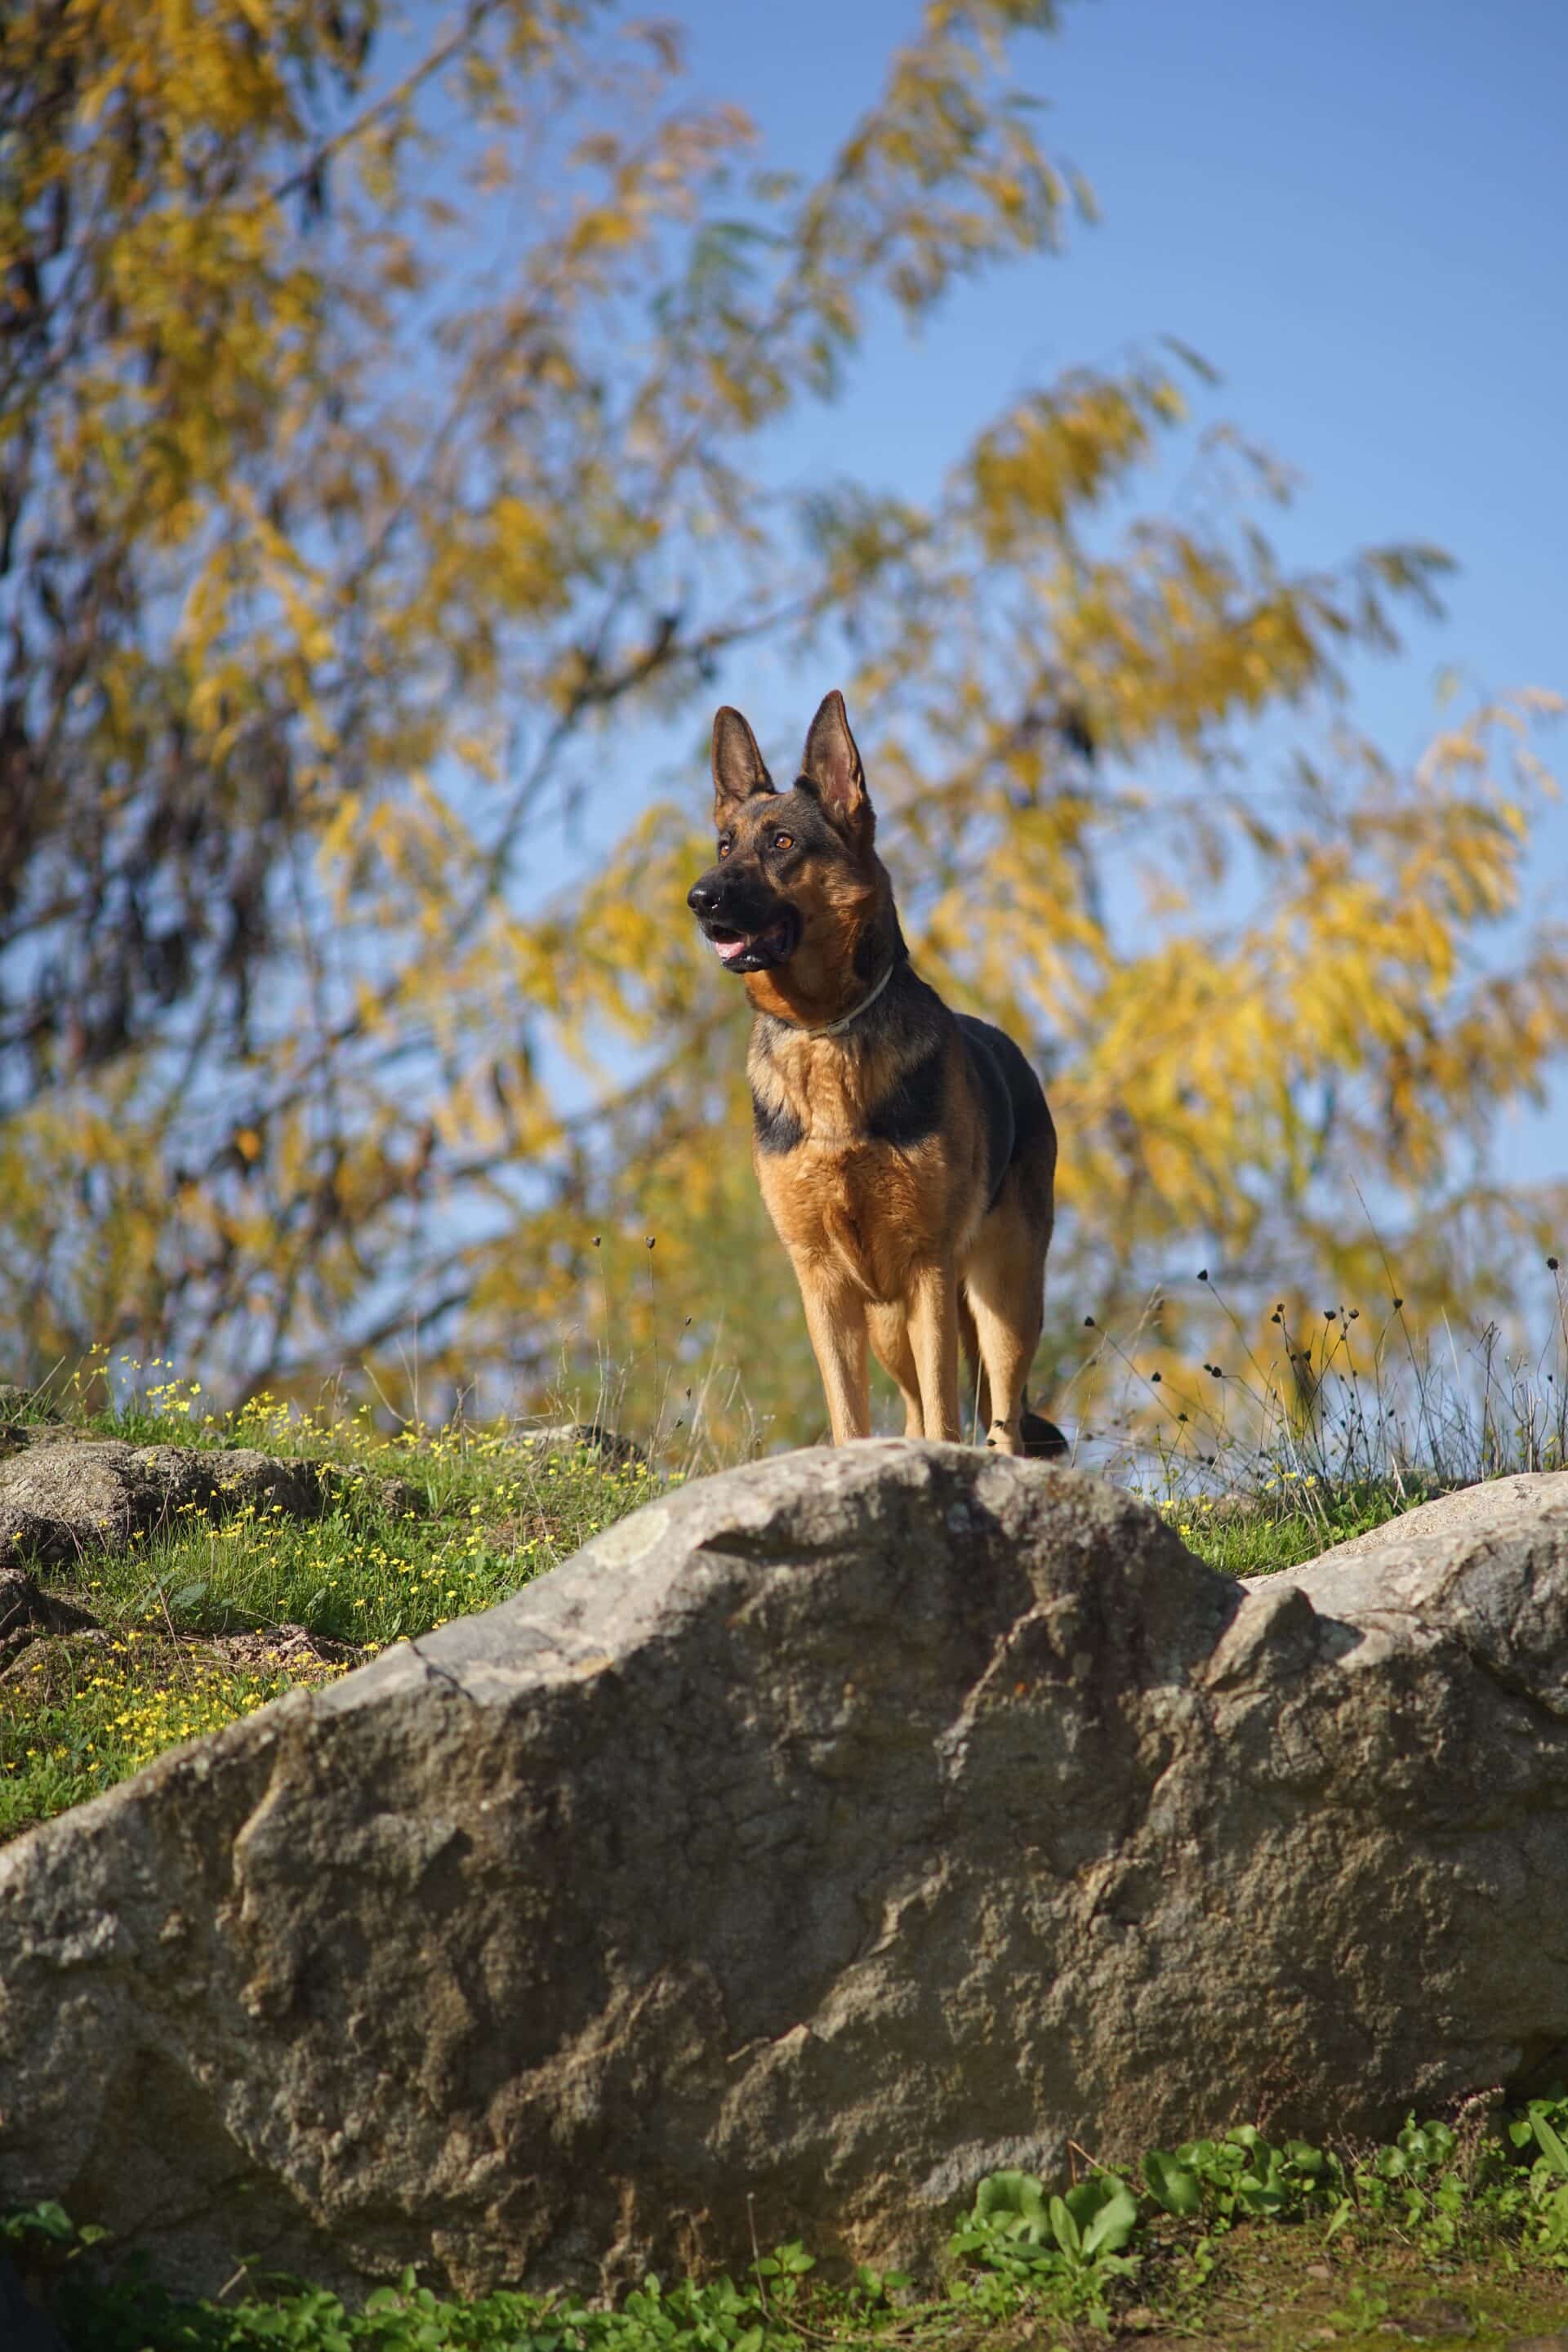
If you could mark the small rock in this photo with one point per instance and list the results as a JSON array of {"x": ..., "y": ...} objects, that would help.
[
  {"x": 400, "y": 1498},
  {"x": 283, "y": 1645},
  {"x": 63, "y": 1497},
  {"x": 26, "y": 1611},
  {"x": 16, "y": 1397},
  {"x": 17, "y": 1434},
  {"x": 583, "y": 1437},
  {"x": 1438, "y": 2316},
  {"x": 1318, "y": 2271}
]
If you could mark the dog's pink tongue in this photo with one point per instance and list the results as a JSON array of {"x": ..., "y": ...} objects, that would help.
[{"x": 728, "y": 950}]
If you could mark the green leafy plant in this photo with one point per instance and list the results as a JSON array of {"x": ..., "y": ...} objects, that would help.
[
  {"x": 49, "y": 2222},
  {"x": 1242, "y": 2175},
  {"x": 1543, "y": 2125},
  {"x": 1032, "y": 2237},
  {"x": 1416, "y": 2179}
]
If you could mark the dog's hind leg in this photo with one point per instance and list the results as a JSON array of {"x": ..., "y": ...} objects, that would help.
[
  {"x": 1007, "y": 1350},
  {"x": 1003, "y": 1286},
  {"x": 979, "y": 1387},
  {"x": 890, "y": 1340}
]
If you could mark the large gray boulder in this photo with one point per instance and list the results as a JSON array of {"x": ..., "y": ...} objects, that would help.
[{"x": 817, "y": 1840}]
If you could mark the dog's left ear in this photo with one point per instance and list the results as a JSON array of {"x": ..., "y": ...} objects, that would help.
[{"x": 831, "y": 763}]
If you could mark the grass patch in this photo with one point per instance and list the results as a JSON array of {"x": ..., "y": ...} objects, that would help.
[
  {"x": 205, "y": 1623},
  {"x": 1287, "y": 1518},
  {"x": 1443, "y": 2235},
  {"x": 484, "y": 1519},
  {"x": 75, "y": 1719}
]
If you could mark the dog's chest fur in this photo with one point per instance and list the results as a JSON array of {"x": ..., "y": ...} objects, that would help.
[{"x": 854, "y": 1150}]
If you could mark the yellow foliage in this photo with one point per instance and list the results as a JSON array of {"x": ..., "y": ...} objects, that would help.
[{"x": 358, "y": 531}]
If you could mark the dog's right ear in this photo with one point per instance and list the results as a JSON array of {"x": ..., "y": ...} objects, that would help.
[
  {"x": 831, "y": 763},
  {"x": 738, "y": 766}
]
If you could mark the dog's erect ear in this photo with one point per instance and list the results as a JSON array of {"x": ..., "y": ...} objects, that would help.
[
  {"x": 831, "y": 762},
  {"x": 738, "y": 766}
]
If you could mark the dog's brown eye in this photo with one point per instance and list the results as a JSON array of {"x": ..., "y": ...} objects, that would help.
[
  {"x": 783, "y": 841},
  {"x": 724, "y": 846}
]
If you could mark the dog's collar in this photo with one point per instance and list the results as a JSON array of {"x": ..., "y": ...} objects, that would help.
[{"x": 835, "y": 1028}]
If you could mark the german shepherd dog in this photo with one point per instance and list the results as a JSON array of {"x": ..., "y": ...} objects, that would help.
[{"x": 905, "y": 1152}]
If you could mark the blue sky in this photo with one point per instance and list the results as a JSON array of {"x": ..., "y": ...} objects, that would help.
[{"x": 1357, "y": 213}]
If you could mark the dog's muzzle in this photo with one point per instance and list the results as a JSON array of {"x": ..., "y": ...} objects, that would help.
[{"x": 748, "y": 929}]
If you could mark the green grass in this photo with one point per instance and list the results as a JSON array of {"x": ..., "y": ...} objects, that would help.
[
  {"x": 1445, "y": 2234},
  {"x": 486, "y": 1518},
  {"x": 1287, "y": 1517},
  {"x": 73, "y": 1723},
  {"x": 187, "y": 1622}
]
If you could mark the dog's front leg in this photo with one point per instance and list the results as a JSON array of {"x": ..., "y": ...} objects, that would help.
[
  {"x": 932, "y": 1307},
  {"x": 836, "y": 1318}
]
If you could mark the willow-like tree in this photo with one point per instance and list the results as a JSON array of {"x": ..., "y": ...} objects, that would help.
[{"x": 382, "y": 439}]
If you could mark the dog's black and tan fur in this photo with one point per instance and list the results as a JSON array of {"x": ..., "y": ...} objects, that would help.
[{"x": 905, "y": 1152}]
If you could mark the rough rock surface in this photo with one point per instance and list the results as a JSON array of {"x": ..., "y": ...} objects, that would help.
[
  {"x": 825, "y": 1834},
  {"x": 25, "y": 1610},
  {"x": 16, "y": 1399},
  {"x": 583, "y": 1436},
  {"x": 62, "y": 1497}
]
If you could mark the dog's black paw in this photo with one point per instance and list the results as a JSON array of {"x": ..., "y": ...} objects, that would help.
[{"x": 1040, "y": 1440}]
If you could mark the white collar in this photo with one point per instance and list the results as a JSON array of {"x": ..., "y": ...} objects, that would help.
[{"x": 834, "y": 1028}]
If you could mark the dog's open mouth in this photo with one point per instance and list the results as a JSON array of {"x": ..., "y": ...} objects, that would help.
[{"x": 740, "y": 951}]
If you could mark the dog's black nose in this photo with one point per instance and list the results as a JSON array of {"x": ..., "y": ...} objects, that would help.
[{"x": 704, "y": 896}]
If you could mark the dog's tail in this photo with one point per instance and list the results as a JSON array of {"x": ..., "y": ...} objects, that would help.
[{"x": 1041, "y": 1440}]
